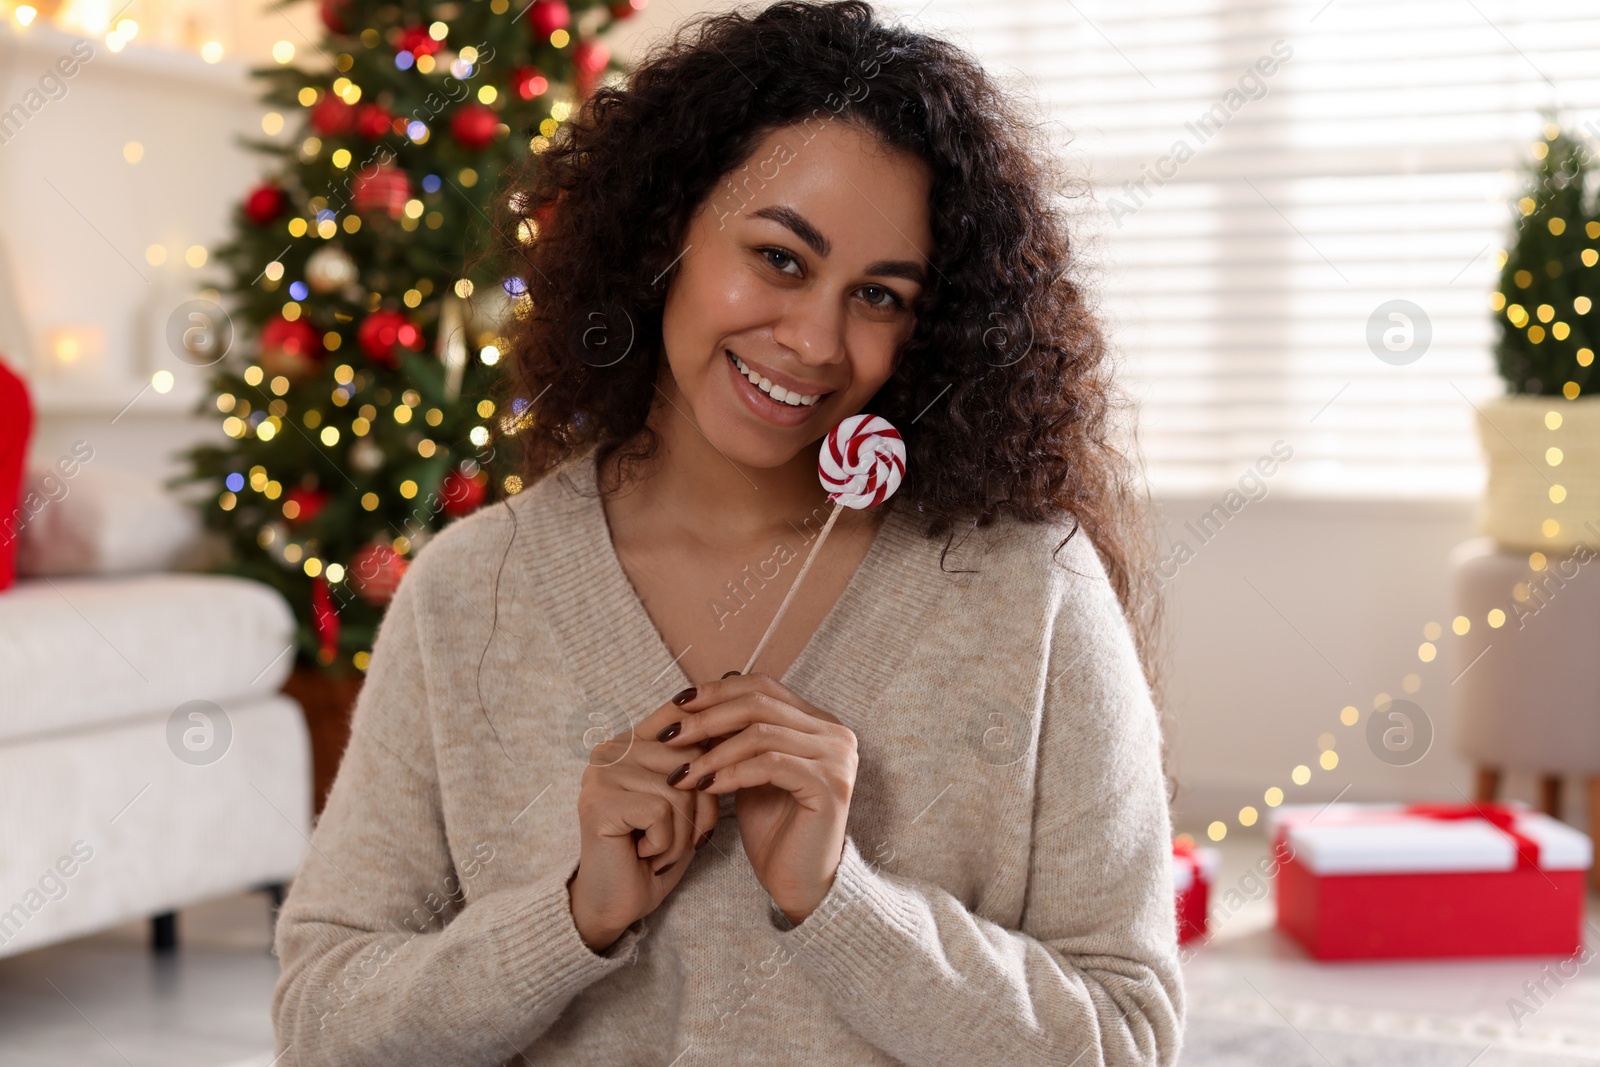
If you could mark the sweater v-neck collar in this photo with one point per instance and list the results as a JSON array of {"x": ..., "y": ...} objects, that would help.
[{"x": 619, "y": 658}]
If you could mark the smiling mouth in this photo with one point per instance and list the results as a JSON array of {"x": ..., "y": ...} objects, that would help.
[{"x": 776, "y": 392}]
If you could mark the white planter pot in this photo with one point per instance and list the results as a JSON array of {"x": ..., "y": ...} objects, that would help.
[{"x": 1517, "y": 502}]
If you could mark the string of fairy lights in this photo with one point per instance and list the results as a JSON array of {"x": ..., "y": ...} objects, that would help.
[{"x": 1541, "y": 323}]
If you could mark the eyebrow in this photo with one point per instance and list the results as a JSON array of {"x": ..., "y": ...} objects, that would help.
[{"x": 791, "y": 219}]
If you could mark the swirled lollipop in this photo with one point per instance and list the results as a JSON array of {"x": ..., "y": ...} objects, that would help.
[
  {"x": 861, "y": 464},
  {"x": 862, "y": 461}
]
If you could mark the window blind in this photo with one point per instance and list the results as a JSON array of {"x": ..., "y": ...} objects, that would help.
[{"x": 1266, "y": 176}]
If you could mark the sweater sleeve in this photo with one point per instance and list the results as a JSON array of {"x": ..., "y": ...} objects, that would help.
[
  {"x": 1091, "y": 977},
  {"x": 380, "y": 962}
]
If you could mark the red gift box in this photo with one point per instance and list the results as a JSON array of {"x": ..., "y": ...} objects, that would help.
[
  {"x": 1390, "y": 881},
  {"x": 16, "y": 424},
  {"x": 1193, "y": 871}
]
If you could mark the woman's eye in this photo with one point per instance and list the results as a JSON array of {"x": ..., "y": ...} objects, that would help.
[
  {"x": 879, "y": 297},
  {"x": 778, "y": 258}
]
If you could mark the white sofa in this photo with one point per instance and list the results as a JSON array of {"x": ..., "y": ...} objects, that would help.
[{"x": 147, "y": 759}]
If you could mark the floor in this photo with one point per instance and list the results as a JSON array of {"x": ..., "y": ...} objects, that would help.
[
  {"x": 1254, "y": 999},
  {"x": 106, "y": 1000}
]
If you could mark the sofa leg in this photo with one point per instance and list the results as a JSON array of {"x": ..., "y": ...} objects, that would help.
[
  {"x": 1488, "y": 784},
  {"x": 1550, "y": 795},
  {"x": 275, "y": 891},
  {"x": 164, "y": 933}
]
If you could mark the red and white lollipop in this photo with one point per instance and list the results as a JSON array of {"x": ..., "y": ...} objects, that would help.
[
  {"x": 862, "y": 461},
  {"x": 861, "y": 464}
]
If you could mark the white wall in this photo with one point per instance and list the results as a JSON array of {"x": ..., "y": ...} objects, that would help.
[
  {"x": 77, "y": 218},
  {"x": 1294, "y": 610}
]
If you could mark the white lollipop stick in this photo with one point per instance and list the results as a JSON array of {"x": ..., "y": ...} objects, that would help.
[
  {"x": 861, "y": 464},
  {"x": 789, "y": 596}
]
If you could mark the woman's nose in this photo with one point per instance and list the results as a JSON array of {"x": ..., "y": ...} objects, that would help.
[{"x": 812, "y": 326}]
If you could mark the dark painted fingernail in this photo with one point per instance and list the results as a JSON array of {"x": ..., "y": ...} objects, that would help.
[
  {"x": 731, "y": 674},
  {"x": 685, "y": 696},
  {"x": 704, "y": 838},
  {"x": 669, "y": 732},
  {"x": 707, "y": 780},
  {"x": 677, "y": 776},
  {"x": 668, "y": 867}
]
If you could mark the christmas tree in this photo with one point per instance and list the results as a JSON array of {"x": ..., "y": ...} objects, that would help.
[
  {"x": 1550, "y": 280},
  {"x": 361, "y": 283}
]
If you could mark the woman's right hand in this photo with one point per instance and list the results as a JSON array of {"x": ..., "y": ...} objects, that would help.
[{"x": 631, "y": 825}]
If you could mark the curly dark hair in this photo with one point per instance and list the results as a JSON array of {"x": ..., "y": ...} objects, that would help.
[{"x": 1004, "y": 391}]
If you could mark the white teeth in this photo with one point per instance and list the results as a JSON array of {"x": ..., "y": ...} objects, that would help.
[{"x": 777, "y": 392}]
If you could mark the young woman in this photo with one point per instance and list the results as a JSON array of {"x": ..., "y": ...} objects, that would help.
[{"x": 930, "y": 826}]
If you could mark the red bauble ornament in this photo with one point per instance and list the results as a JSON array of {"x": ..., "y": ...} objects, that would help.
[
  {"x": 264, "y": 204},
  {"x": 462, "y": 494},
  {"x": 626, "y": 10},
  {"x": 589, "y": 59},
  {"x": 381, "y": 189},
  {"x": 373, "y": 121},
  {"x": 417, "y": 41},
  {"x": 375, "y": 572},
  {"x": 380, "y": 333},
  {"x": 334, "y": 14},
  {"x": 473, "y": 126},
  {"x": 311, "y": 502},
  {"x": 546, "y": 17},
  {"x": 528, "y": 83},
  {"x": 289, "y": 348},
  {"x": 332, "y": 117}
]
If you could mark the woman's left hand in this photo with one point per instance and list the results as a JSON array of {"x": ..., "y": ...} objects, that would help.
[{"x": 794, "y": 768}]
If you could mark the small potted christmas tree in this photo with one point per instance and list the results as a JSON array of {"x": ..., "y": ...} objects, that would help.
[{"x": 1542, "y": 438}]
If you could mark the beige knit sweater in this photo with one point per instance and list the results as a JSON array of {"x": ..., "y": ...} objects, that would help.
[{"x": 1004, "y": 896}]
